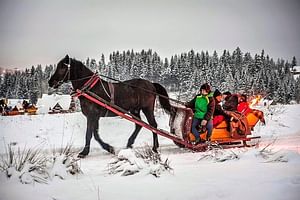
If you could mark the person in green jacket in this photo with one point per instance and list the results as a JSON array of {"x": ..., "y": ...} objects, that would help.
[{"x": 203, "y": 105}]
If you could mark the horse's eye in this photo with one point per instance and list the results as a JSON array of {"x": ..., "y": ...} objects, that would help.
[{"x": 62, "y": 70}]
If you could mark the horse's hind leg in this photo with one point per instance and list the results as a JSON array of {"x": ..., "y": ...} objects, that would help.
[
  {"x": 133, "y": 136},
  {"x": 150, "y": 118}
]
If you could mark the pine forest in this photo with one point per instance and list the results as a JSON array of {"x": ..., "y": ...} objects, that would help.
[{"x": 182, "y": 74}]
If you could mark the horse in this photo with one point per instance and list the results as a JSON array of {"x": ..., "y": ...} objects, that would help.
[{"x": 133, "y": 95}]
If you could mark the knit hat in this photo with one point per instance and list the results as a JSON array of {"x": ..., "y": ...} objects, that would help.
[{"x": 217, "y": 93}]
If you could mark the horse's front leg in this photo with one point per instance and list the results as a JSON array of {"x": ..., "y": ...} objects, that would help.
[
  {"x": 95, "y": 128},
  {"x": 88, "y": 137}
]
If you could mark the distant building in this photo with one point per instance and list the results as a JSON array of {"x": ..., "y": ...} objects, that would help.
[
  {"x": 296, "y": 71},
  {"x": 54, "y": 103}
]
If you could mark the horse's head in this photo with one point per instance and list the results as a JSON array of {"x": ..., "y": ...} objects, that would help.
[{"x": 62, "y": 73}]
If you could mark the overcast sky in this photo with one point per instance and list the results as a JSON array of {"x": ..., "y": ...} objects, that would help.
[{"x": 43, "y": 31}]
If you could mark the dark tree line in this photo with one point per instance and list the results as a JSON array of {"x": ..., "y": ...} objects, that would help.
[
  {"x": 237, "y": 72},
  {"x": 27, "y": 84}
]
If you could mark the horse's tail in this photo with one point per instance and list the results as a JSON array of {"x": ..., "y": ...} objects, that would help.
[{"x": 163, "y": 98}]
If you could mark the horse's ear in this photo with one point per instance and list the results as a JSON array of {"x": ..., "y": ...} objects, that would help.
[{"x": 67, "y": 56}]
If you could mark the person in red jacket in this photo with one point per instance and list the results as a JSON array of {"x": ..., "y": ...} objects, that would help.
[{"x": 243, "y": 106}]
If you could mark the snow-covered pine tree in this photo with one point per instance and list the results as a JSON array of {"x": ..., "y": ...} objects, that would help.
[
  {"x": 23, "y": 90},
  {"x": 9, "y": 82},
  {"x": 226, "y": 79},
  {"x": 93, "y": 65},
  {"x": 294, "y": 63},
  {"x": 236, "y": 65},
  {"x": 173, "y": 78},
  {"x": 297, "y": 90},
  {"x": 158, "y": 68},
  {"x": 102, "y": 66},
  {"x": 214, "y": 67},
  {"x": 184, "y": 75}
]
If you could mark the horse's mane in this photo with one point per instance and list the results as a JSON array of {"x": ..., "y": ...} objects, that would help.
[{"x": 81, "y": 67}]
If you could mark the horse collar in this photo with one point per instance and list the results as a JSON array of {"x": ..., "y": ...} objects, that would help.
[{"x": 87, "y": 85}]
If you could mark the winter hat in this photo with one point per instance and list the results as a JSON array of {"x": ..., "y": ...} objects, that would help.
[
  {"x": 227, "y": 93},
  {"x": 206, "y": 87},
  {"x": 217, "y": 93}
]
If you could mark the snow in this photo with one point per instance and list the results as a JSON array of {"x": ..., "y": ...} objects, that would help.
[
  {"x": 15, "y": 102},
  {"x": 247, "y": 173}
]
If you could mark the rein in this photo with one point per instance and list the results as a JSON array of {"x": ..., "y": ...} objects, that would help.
[
  {"x": 96, "y": 77},
  {"x": 174, "y": 100},
  {"x": 93, "y": 79}
]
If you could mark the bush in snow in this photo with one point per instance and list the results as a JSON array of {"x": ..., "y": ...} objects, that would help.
[
  {"x": 129, "y": 162},
  {"x": 275, "y": 110},
  {"x": 31, "y": 165},
  {"x": 264, "y": 154},
  {"x": 220, "y": 155},
  {"x": 68, "y": 158},
  {"x": 269, "y": 155}
]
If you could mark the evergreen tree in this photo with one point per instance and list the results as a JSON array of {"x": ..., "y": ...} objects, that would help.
[
  {"x": 297, "y": 90},
  {"x": 183, "y": 73},
  {"x": 294, "y": 63},
  {"x": 102, "y": 65}
]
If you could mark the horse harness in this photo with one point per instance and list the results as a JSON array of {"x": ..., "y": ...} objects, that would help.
[{"x": 91, "y": 83}]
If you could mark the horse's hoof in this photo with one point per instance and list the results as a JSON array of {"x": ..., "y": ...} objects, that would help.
[
  {"x": 154, "y": 150},
  {"x": 111, "y": 150},
  {"x": 81, "y": 155},
  {"x": 129, "y": 147}
]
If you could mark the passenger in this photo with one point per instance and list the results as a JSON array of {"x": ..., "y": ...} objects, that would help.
[
  {"x": 219, "y": 114},
  {"x": 231, "y": 101},
  {"x": 203, "y": 105},
  {"x": 243, "y": 106}
]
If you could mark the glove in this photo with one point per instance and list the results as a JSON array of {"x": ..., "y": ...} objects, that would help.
[{"x": 203, "y": 122}]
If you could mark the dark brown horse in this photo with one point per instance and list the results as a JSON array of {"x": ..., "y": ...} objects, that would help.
[{"x": 134, "y": 96}]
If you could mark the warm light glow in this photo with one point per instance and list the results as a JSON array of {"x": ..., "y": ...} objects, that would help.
[{"x": 255, "y": 101}]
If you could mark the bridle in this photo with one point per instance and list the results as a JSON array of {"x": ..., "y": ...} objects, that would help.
[
  {"x": 67, "y": 74},
  {"x": 93, "y": 79},
  {"x": 68, "y": 71}
]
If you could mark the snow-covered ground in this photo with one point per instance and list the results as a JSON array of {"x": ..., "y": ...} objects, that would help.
[{"x": 244, "y": 173}]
